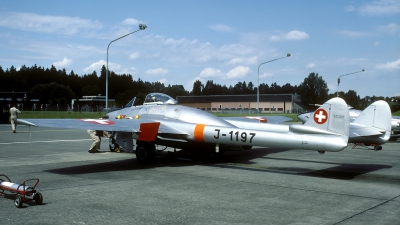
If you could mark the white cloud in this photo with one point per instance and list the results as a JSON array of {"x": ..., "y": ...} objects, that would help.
[
  {"x": 134, "y": 55},
  {"x": 310, "y": 66},
  {"x": 294, "y": 35},
  {"x": 158, "y": 71},
  {"x": 391, "y": 28},
  {"x": 222, "y": 28},
  {"x": 48, "y": 24},
  {"x": 131, "y": 21},
  {"x": 210, "y": 72},
  {"x": 112, "y": 67},
  {"x": 97, "y": 66},
  {"x": 235, "y": 61},
  {"x": 250, "y": 61},
  {"x": 238, "y": 72},
  {"x": 380, "y": 8},
  {"x": 353, "y": 34},
  {"x": 63, "y": 63},
  {"x": 163, "y": 81},
  {"x": 184, "y": 51},
  {"x": 390, "y": 66},
  {"x": 265, "y": 75}
]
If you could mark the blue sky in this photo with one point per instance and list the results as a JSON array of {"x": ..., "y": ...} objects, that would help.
[{"x": 223, "y": 41}]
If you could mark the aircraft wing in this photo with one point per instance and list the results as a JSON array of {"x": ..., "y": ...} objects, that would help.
[{"x": 121, "y": 125}]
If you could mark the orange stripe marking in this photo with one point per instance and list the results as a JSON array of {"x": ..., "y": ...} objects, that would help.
[{"x": 199, "y": 132}]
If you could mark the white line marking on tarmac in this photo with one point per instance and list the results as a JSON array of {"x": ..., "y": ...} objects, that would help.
[{"x": 28, "y": 142}]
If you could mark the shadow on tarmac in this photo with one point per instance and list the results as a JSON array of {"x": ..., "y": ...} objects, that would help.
[
  {"x": 237, "y": 160},
  {"x": 168, "y": 160}
]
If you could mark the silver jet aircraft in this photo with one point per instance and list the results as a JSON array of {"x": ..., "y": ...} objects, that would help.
[
  {"x": 160, "y": 121},
  {"x": 370, "y": 127}
]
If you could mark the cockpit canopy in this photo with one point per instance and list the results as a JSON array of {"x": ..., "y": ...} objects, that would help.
[{"x": 159, "y": 99}]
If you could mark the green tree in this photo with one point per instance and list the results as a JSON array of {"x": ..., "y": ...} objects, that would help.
[
  {"x": 313, "y": 90},
  {"x": 197, "y": 86},
  {"x": 53, "y": 93},
  {"x": 90, "y": 90},
  {"x": 209, "y": 88},
  {"x": 352, "y": 98}
]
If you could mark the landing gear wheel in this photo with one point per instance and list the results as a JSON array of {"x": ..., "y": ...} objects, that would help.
[
  {"x": 378, "y": 148},
  {"x": 18, "y": 201},
  {"x": 38, "y": 198},
  {"x": 145, "y": 152}
]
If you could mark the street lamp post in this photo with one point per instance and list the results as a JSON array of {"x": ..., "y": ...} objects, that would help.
[
  {"x": 258, "y": 80},
  {"x": 338, "y": 80},
  {"x": 141, "y": 27}
]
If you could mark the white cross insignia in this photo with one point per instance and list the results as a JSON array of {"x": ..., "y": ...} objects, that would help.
[{"x": 320, "y": 116}]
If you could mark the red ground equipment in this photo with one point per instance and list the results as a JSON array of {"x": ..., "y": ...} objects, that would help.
[{"x": 22, "y": 192}]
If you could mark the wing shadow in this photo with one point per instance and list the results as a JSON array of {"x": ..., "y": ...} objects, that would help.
[{"x": 337, "y": 171}]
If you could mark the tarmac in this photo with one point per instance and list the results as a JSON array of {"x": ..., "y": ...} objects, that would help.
[{"x": 259, "y": 186}]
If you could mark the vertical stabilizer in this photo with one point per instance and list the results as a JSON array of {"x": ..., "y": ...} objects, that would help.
[
  {"x": 377, "y": 115},
  {"x": 332, "y": 116}
]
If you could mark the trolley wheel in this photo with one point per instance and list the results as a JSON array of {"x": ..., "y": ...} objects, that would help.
[
  {"x": 38, "y": 198},
  {"x": 18, "y": 201}
]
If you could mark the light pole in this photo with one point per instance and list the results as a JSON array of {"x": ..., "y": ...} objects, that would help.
[
  {"x": 141, "y": 27},
  {"x": 338, "y": 80},
  {"x": 258, "y": 86}
]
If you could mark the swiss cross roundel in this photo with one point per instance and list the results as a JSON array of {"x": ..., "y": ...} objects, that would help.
[{"x": 320, "y": 116}]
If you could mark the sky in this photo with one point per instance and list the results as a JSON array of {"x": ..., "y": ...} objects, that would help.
[{"x": 219, "y": 40}]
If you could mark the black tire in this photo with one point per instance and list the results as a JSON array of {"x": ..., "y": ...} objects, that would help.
[
  {"x": 145, "y": 152},
  {"x": 38, "y": 198},
  {"x": 18, "y": 201}
]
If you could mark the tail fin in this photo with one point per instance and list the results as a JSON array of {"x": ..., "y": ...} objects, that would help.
[
  {"x": 376, "y": 115},
  {"x": 131, "y": 103},
  {"x": 333, "y": 117}
]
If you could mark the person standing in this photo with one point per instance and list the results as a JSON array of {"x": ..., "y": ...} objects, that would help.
[
  {"x": 13, "y": 117},
  {"x": 96, "y": 137}
]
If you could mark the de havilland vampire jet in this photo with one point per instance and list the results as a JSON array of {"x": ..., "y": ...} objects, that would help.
[
  {"x": 161, "y": 121},
  {"x": 370, "y": 127}
]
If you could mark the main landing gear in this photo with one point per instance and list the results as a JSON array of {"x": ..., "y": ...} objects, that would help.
[{"x": 145, "y": 151}]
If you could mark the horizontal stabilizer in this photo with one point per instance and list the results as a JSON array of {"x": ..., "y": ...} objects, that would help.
[
  {"x": 301, "y": 129},
  {"x": 365, "y": 131}
]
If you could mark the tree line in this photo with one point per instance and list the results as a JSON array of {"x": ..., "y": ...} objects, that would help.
[{"x": 57, "y": 87}]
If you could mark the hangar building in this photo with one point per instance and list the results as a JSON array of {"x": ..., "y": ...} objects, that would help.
[{"x": 268, "y": 103}]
